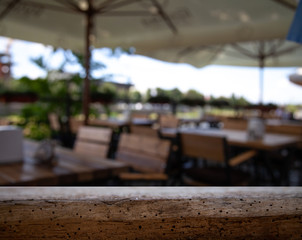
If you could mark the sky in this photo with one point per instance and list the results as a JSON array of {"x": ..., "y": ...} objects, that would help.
[{"x": 146, "y": 73}]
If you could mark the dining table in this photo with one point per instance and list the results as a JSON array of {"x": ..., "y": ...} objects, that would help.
[
  {"x": 268, "y": 147},
  {"x": 239, "y": 138},
  {"x": 68, "y": 169}
]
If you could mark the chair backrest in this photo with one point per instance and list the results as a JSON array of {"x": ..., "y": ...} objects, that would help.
[
  {"x": 285, "y": 129},
  {"x": 54, "y": 122},
  {"x": 93, "y": 141},
  {"x": 203, "y": 146},
  {"x": 142, "y": 153},
  {"x": 288, "y": 129},
  {"x": 236, "y": 124},
  {"x": 168, "y": 121},
  {"x": 75, "y": 124},
  {"x": 144, "y": 131}
]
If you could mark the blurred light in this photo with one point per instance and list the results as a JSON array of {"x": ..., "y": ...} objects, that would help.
[
  {"x": 153, "y": 10},
  {"x": 83, "y": 5}
]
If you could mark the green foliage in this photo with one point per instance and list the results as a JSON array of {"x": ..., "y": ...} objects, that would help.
[
  {"x": 105, "y": 93},
  {"x": 2, "y": 88},
  {"x": 37, "y": 112},
  {"x": 193, "y": 94},
  {"x": 35, "y": 121},
  {"x": 39, "y": 86},
  {"x": 122, "y": 95},
  {"x": 78, "y": 58},
  {"x": 108, "y": 88},
  {"x": 160, "y": 95},
  {"x": 135, "y": 96},
  {"x": 37, "y": 131},
  {"x": 62, "y": 96},
  {"x": 193, "y": 98},
  {"x": 238, "y": 102},
  {"x": 175, "y": 95},
  {"x": 221, "y": 102},
  {"x": 292, "y": 108}
]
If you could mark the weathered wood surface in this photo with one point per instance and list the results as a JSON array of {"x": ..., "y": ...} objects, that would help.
[{"x": 151, "y": 213}]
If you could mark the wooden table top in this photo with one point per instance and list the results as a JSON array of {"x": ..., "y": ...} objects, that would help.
[
  {"x": 271, "y": 141},
  {"x": 151, "y": 213},
  {"x": 71, "y": 169}
]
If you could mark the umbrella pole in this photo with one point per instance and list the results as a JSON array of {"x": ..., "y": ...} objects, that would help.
[
  {"x": 261, "y": 77},
  {"x": 86, "y": 93}
]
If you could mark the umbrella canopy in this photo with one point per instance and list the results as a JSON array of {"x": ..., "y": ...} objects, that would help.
[
  {"x": 296, "y": 78},
  {"x": 272, "y": 53},
  {"x": 147, "y": 25},
  {"x": 275, "y": 53}
]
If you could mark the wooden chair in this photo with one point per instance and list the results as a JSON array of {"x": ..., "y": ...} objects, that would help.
[
  {"x": 168, "y": 121},
  {"x": 93, "y": 141},
  {"x": 144, "y": 131},
  {"x": 147, "y": 156},
  {"x": 75, "y": 125},
  {"x": 214, "y": 149},
  {"x": 292, "y": 153},
  {"x": 54, "y": 122},
  {"x": 289, "y": 129},
  {"x": 235, "y": 123}
]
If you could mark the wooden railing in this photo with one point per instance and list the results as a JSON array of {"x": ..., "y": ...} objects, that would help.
[{"x": 150, "y": 213}]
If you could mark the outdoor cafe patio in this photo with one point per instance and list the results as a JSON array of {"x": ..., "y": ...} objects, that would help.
[
  {"x": 163, "y": 151},
  {"x": 100, "y": 200},
  {"x": 85, "y": 179}
]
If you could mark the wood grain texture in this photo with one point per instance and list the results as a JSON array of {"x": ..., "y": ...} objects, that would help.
[{"x": 151, "y": 213}]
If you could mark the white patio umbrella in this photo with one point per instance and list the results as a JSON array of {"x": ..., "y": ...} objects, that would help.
[
  {"x": 147, "y": 25},
  {"x": 296, "y": 78},
  {"x": 271, "y": 53}
]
